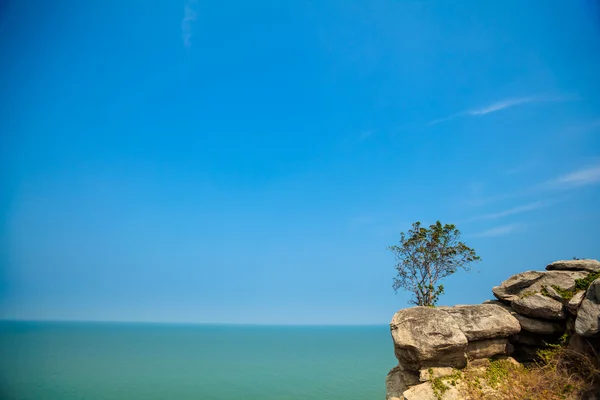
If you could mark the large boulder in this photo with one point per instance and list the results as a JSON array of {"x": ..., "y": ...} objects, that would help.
[
  {"x": 427, "y": 337},
  {"x": 511, "y": 288},
  {"x": 574, "y": 265},
  {"x": 533, "y": 281},
  {"x": 539, "y": 326},
  {"x": 533, "y": 325},
  {"x": 537, "y": 305},
  {"x": 484, "y": 321},
  {"x": 587, "y": 323}
]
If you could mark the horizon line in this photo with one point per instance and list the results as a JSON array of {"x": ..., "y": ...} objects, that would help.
[{"x": 256, "y": 324}]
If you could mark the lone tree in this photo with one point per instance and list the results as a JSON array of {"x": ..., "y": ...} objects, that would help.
[{"x": 425, "y": 256}]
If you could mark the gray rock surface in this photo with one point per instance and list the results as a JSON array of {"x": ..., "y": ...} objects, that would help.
[
  {"x": 543, "y": 327},
  {"x": 587, "y": 323},
  {"x": 575, "y": 301},
  {"x": 539, "y": 326},
  {"x": 539, "y": 306},
  {"x": 427, "y": 337},
  {"x": 428, "y": 374},
  {"x": 574, "y": 265},
  {"x": 484, "y": 321},
  {"x": 510, "y": 289},
  {"x": 395, "y": 383},
  {"x": 424, "y": 391},
  {"x": 553, "y": 294},
  {"x": 521, "y": 284},
  {"x": 488, "y": 348}
]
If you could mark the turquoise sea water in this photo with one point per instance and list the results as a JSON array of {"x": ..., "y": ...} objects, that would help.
[{"x": 92, "y": 361}]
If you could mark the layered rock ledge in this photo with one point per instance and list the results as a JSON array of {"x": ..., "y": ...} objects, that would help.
[{"x": 532, "y": 310}]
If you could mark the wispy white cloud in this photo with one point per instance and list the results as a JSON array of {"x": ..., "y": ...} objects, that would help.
[
  {"x": 500, "y": 230},
  {"x": 512, "y": 211},
  {"x": 582, "y": 177},
  {"x": 569, "y": 181},
  {"x": 437, "y": 121},
  {"x": 187, "y": 24},
  {"x": 502, "y": 105}
]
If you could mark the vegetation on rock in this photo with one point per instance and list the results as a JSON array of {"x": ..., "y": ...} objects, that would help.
[
  {"x": 580, "y": 284},
  {"x": 424, "y": 256},
  {"x": 561, "y": 373}
]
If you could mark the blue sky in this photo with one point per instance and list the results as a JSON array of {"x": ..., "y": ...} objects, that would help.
[{"x": 250, "y": 162}]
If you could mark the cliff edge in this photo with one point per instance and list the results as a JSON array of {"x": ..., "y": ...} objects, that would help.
[{"x": 442, "y": 351}]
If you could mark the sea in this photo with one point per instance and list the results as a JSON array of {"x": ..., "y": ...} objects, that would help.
[{"x": 142, "y": 361}]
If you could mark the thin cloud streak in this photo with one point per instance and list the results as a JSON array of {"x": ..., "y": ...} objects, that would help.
[
  {"x": 502, "y": 105},
  {"x": 583, "y": 177},
  {"x": 187, "y": 24},
  {"x": 570, "y": 181},
  {"x": 437, "y": 121},
  {"x": 512, "y": 211},
  {"x": 499, "y": 231}
]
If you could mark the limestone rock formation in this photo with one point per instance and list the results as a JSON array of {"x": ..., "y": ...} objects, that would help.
[
  {"x": 529, "y": 282},
  {"x": 484, "y": 321},
  {"x": 543, "y": 327},
  {"x": 428, "y": 374},
  {"x": 512, "y": 288},
  {"x": 424, "y": 391},
  {"x": 574, "y": 265},
  {"x": 587, "y": 323},
  {"x": 533, "y": 310},
  {"x": 425, "y": 337},
  {"x": 488, "y": 348},
  {"x": 575, "y": 301},
  {"x": 537, "y": 305},
  {"x": 396, "y": 384}
]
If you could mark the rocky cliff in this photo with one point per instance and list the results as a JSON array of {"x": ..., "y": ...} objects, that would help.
[{"x": 532, "y": 310}]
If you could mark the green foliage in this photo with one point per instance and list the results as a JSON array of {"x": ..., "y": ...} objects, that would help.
[
  {"x": 497, "y": 372},
  {"x": 565, "y": 294},
  {"x": 553, "y": 349},
  {"x": 580, "y": 284},
  {"x": 439, "y": 385},
  {"x": 527, "y": 294},
  {"x": 424, "y": 256},
  {"x": 564, "y": 339},
  {"x": 559, "y": 374},
  {"x": 439, "y": 388},
  {"x": 584, "y": 283}
]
